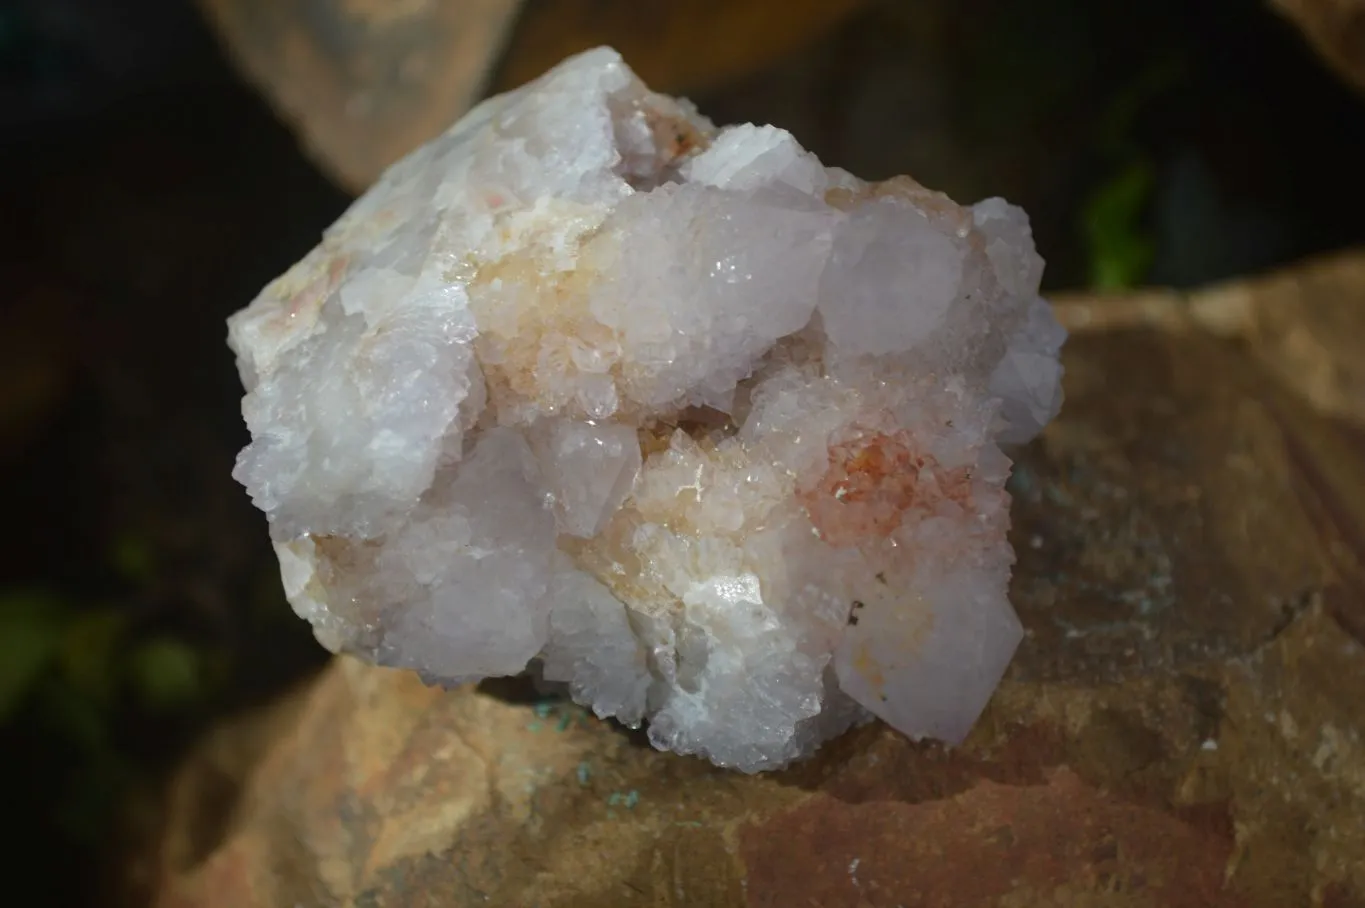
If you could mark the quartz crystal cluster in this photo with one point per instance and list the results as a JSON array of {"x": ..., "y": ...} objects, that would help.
[{"x": 672, "y": 415}]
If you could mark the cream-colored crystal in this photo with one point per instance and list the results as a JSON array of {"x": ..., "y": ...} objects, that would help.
[{"x": 707, "y": 430}]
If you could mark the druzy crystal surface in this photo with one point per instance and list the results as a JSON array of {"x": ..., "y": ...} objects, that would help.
[{"x": 673, "y": 415}]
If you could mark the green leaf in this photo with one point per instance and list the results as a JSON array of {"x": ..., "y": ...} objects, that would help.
[
  {"x": 167, "y": 673},
  {"x": 1120, "y": 247},
  {"x": 89, "y": 646},
  {"x": 132, "y": 557},
  {"x": 30, "y": 628}
]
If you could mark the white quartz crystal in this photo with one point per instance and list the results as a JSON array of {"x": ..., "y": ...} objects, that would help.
[{"x": 707, "y": 430}]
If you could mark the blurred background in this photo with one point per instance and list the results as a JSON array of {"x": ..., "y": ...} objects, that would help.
[{"x": 164, "y": 159}]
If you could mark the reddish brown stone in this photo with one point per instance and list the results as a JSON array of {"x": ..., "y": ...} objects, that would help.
[
  {"x": 1183, "y": 725},
  {"x": 1036, "y": 844}
]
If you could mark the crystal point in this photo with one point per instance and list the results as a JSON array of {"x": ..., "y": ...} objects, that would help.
[{"x": 705, "y": 429}]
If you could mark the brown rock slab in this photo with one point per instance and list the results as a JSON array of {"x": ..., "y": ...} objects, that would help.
[
  {"x": 366, "y": 81},
  {"x": 1336, "y": 29},
  {"x": 1305, "y": 323},
  {"x": 1182, "y": 726},
  {"x": 991, "y": 844},
  {"x": 682, "y": 46}
]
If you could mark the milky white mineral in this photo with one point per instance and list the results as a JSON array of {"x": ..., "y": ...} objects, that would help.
[{"x": 672, "y": 414}]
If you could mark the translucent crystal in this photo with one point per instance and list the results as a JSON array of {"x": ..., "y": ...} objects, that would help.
[{"x": 708, "y": 429}]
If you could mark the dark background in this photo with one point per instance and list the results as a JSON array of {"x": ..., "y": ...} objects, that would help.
[{"x": 148, "y": 193}]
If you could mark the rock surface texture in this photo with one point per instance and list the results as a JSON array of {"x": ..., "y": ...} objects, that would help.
[
  {"x": 678, "y": 417},
  {"x": 1183, "y": 725}
]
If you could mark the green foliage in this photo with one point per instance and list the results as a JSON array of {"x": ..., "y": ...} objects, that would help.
[
  {"x": 1114, "y": 218},
  {"x": 93, "y": 657},
  {"x": 167, "y": 673},
  {"x": 30, "y": 633},
  {"x": 89, "y": 652},
  {"x": 1120, "y": 246},
  {"x": 77, "y": 674},
  {"x": 132, "y": 557}
]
